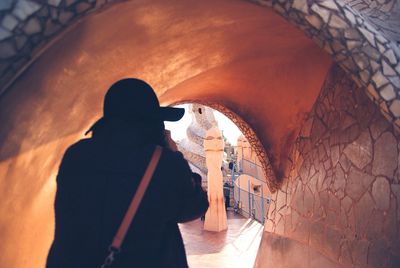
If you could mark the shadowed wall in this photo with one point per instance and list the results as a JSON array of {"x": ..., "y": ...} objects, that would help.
[{"x": 341, "y": 204}]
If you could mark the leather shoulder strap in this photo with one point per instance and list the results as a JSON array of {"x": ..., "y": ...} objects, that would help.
[{"x": 136, "y": 200}]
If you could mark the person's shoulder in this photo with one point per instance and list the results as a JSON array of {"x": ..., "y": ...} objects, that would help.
[{"x": 78, "y": 147}]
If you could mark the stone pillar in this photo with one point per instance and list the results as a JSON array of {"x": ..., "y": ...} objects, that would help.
[
  {"x": 240, "y": 151},
  {"x": 216, "y": 215}
]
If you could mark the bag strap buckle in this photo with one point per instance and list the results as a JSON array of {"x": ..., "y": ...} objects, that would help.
[{"x": 111, "y": 256}]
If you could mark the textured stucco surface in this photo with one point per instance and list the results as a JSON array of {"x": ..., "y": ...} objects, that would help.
[{"x": 342, "y": 198}]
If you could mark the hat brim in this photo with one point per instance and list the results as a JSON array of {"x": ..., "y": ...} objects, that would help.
[{"x": 171, "y": 113}]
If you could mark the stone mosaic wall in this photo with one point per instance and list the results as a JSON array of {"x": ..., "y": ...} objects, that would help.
[
  {"x": 383, "y": 14},
  {"x": 371, "y": 59},
  {"x": 26, "y": 26},
  {"x": 343, "y": 195}
]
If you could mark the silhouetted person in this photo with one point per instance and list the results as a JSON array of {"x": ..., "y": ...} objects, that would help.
[{"x": 99, "y": 176}]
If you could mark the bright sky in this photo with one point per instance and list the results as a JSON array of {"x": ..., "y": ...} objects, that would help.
[{"x": 178, "y": 129}]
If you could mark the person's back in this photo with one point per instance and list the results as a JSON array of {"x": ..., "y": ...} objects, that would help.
[{"x": 96, "y": 182}]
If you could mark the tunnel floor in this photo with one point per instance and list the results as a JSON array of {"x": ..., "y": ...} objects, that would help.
[{"x": 235, "y": 247}]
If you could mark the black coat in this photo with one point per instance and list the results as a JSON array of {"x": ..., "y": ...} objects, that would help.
[{"x": 95, "y": 185}]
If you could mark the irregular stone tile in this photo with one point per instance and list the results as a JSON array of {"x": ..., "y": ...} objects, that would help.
[
  {"x": 385, "y": 155},
  {"x": 322, "y": 12},
  {"x": 25, "y": 8},
  {"x": 279, "y": 9},
  {"x": 360, "y": 59},
  {"x": 320, "y": 178},
  {"x": 350, "y": 134},
  {"x": 384, "y": 107},
  {"x": 317, "y": 130},
  {"x": 379, "y": 79},
  {"x": 378, "y": 127},
  {"x": 396, "y": 191},
  {"x": 375, "y": 66},
  {"x": 388, "y": 116},
  {"x": 351, "y": 44},
  {"x": 4, "y": 34},
  {"x": 368, "y": 35},
  {"x": 32, "y": 27},
  {"x": 381, "y": 39},
  {"x": 82, "y": 7},
  {"x": 357, "y": 183},
  {"x": 365, "y": 76},
  {"x": 390, "y": 227},
  {"x": 335, "y": 33},
  {"x": 335, "y": 154},
  {"x": 388, "y": 93},
  {"x": 280, "y": 200},
  {"x": 9, "y": 22},
  {"x": 308, "y": 201},
  {"x": 70, "y": 2},
  {"x": 347, "y": 121},
  {"x": 55, "y": 3},
  {"x": 338, "y": 22},
  {"x": 334, "y": 204},
  {"x": 301, "y": 5},
  {"x": 381, "y": 193},
  {"x": 5, "y": 4},
  {"x": 395, "y": 80},
  {"x": 344, "y": 163},
  {"x": 352, "y": 34},
  {"x": 346, "y": 203},
  {"x": 7, "y": 50},
  {"x": 314, "y": 21},
  {"x": 381, "y": 48},
  {"x": 395, "y": 108},
  {"x": 363, "y": 210},
  {"x": 371, "y": 90},
  {"x": 51, "y": 28},
  {"x": 65, "y": 17},
  {"x": 350, "y": 17},
  {"x": 359, "y": 252},
  {"x": 20, "y": 41},
  {"x": 387, "y": 69},
  {"x": 372, "y": 52},
  {"x": 329, "y": 4},
  {"x": 359, "y": 152},
  {"x": 328, "y": 48},
  {"x": 306, "y": 129}
]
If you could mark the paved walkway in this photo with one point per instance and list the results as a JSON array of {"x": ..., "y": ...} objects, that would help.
[{"x": 235, "y": 247}]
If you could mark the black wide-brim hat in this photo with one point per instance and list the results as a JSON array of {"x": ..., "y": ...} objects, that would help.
[{"x": 132, "y": 100}]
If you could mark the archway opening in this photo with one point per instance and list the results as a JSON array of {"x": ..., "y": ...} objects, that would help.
[{"x": 243, "y": 187}]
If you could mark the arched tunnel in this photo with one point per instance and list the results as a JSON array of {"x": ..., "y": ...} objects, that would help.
[{"x": 315, "y": 83}]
